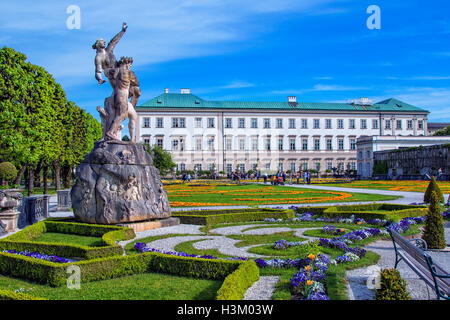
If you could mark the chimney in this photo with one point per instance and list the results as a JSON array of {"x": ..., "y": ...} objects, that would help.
[
  {"x": 292, "y": 99},
  {"x": 166, "y": 90},
  {"x": 185, "y": 91}
]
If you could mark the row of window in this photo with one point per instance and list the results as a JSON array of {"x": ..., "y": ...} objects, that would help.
[
  {"x": 293, "y": 166},
  {"x": 178, "y": 144},
  {"x": 180, "y": 122}
]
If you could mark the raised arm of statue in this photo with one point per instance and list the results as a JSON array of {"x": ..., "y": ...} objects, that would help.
[{"x": 116, "y": 39}]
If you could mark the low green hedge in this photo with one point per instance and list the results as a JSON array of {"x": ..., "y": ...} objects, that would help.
[
  {"x": 11, "y": 295},
  {"x": 237, "y": 283},
  {"x": 209, "y": 217},
  {"x": 55, "y": 274},
  {"x": 23, "y": 240},
  {"x": 394, "y": 212}
]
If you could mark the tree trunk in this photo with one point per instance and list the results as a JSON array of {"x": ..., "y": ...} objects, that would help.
[
  {"x": 37, "y": 176},
  {"x": 19, "y": 175},
  {"x": 30, "y": 183},
  {"x": 45, "y": 176},
  {"x": 67, "y": 176},
  {"x": 57, "y": 172}
]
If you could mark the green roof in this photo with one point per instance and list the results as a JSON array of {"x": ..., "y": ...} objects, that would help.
[{"x": 188, "y": 100}]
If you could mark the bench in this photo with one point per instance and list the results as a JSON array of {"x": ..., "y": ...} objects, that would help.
[{"x": 421, "y": 263}]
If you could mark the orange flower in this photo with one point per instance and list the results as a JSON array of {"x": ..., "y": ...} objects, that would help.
[
  {"x": 308, "y": 268},
  {"x": 309, "y": 282},
  {"x": 311, "y": 257}
]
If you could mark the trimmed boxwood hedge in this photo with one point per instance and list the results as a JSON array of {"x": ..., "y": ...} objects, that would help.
[
  {"x": 209, "y": 217},
  {"x": 23, "y": 240},
  {"x": 368, "y": 211},
  {"x": 237, "y": 283}
]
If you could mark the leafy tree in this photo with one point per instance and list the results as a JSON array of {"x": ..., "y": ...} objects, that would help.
[
  {"x": 443, "y": 132},
  {"x": 433, "y": 233},
  {"x": 8, "y": 171},
  {"x": 162, "y": 159},
  {"x": 125, "y": 138}
]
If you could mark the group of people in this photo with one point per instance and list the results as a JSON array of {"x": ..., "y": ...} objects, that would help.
[{"x": 280, "y": 177}]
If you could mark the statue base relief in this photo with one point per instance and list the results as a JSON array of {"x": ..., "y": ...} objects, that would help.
[{"x": 116, "y": 184}]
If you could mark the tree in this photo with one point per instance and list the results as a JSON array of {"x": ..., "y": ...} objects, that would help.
[
  {"x": 433, "y": 186},
  {"x": 433, "y": 233},
  {"x": 162, "y": 160},
  {"x": 8, "y": 172},
  {"x": 443, "y": 132},
  {"x": 125, "y": 138}
]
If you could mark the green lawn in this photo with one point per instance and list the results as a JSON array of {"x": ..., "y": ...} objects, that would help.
[
  {"x": 147, "y": 286},
  {"x": 70, "y": 239}
]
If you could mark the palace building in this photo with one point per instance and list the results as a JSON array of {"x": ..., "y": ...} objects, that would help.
[{"x": 270, "y": 136}]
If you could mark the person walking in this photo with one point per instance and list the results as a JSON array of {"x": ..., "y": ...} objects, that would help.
[
  {"x": 265, "y": 177},
  {"x": 298, "y": 177}
]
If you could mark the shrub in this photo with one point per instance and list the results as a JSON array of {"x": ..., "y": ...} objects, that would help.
[
  {"x": 8, "y": 171},
  {"x": 11, "y": 295},
  {"x": 433, "y": 186},
  {"x": 433, "y": 233},
  {"x": 236, "y": 284},
  {"x": 392, "y": 286}
]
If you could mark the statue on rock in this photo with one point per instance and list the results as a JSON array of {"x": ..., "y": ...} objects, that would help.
[{"x": 117, "y": 182}]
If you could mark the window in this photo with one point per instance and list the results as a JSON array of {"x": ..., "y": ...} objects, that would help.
[
  {"x": 280, "y": 144},
  {"x": 305, "y": 165},
  {"x": 181, "y": 144},
  {"x": 241, "y": 144},
  {"x": 304, "y": 123},
  {"x": 160, "y": 141},
  {"x": 254, "y": 144},
  {"x": 241, "y": 167},
  {"x": 409, "y": 124},
  {"x": 241, "y": 122},
  {"x": 279, "y": 124},
  {"x": 281, "y": 166},
  {"x": 211, "y": 123},
  {"x": 175, "y": 144},
  {"x": 147, "y": 140},
  {"x": 292, "y": 144},
  {"x": 291, "y": 123},
  {"x": 292, "y": 167},
  {"x": 363, "y": 124},
  {"x": 387, "y": 124},
  {"x": 317, "y": 144},
  {"x": 341, "y": 144},
  {"x": 329, "y": 165},
  {"x": 254, "y": 123},
  {"x": 329, "y": 144},
  {"x": 267, "y": 166},
  {"x": 340, "y": 166},
  {"x": 182, "y": 166},
  {"x": 352, "y": 144},
  {"x": 228, "y": 123},
  {"x": 198, "y": 122},
  {"x": 375, "y": 124},
  {"x": 399, "y": 124},
  {"x": 198, "y": 144},
  {"x": 229, "y": 168},
  {"x": 211, "y": 143},
  {"x": 420, "y": 124},
  {"x": 304, "y": 144},
  {"x": 353, "y": 165},
  {"x": 159, "y": 123},
  {"x": 255, "y": 167},
  {"x": 199, "y": 166},
  {"x": 267, "y": 144},
  {"x": 327, "y": 123},
  {"x": 178, "y": 122},
  {"x": 266, "y": 123},
  {"x": 316, "y": 124},
  {"x": 146, "y": 122},
  {"x": 317, "y": 165},
  {"x": 351, "y": 124},
  {"x": 340, "y": 124},
  {"x": 228, "y": 144},
  {"x": 210, "y": 166}
]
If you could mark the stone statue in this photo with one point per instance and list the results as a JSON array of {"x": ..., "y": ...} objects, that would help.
[
  {"x": 125, "y": 85},
  {"x": 117, "y": 182}
]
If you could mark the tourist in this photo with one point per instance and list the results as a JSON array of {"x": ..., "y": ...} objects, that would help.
[
  {"x": 298, "y": 177},
  {"x": 188, "y": 177},
  {"x": 265, "y": 177}
]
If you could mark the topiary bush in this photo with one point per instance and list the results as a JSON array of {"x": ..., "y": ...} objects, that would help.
[
  {"x": 433, "y": 186},
  {"x": 392, "y": 286},
  {"x": 433, "y": 233},
  {"x": 8, "y": 171}
]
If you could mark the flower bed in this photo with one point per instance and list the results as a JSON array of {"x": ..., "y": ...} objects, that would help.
[
  {"x": 38, "y": 255},
  {"x": 328, "y": 229}
]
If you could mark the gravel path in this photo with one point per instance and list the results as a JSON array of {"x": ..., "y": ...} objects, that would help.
[
  {"x": 262, "y": 289},
  {"x": 357, "y": 288}
]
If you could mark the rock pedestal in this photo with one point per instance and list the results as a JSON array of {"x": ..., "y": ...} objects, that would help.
[
  {"x": 9, "y": 201},
  {"x": 116, "y": 184}
]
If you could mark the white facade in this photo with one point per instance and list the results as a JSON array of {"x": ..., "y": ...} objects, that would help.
[{"x": 298, "y": 139}]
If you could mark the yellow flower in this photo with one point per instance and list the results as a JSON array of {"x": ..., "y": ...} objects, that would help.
[
  {"x": 309, "y": 282},
  {"x": 311, "y": 256},
  {"x": 308, "y": 268}
]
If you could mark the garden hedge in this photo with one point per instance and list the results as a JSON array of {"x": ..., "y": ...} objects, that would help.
[
  {"x": 209, "y": 217},
  {"x": 55, "y": 274},
  {"x": 23, "y": 240},
  {"x": 237, "y": 283}
]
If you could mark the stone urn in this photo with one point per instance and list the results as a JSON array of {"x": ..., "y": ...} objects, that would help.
[
  {"x": 10, "y": 200},
  {"x": 117, "y": 183}
]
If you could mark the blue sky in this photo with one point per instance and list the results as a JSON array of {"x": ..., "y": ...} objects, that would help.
[{"x": 254, "y": 50}]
